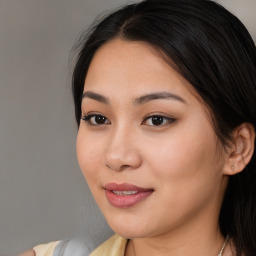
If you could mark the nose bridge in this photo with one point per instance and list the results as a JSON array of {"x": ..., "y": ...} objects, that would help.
[{"x": 122, "y": 151}]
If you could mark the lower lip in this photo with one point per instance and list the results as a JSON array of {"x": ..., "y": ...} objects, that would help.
[{"x": 127, "y": 200}]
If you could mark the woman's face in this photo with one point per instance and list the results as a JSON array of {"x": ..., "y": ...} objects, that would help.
[{"x": 145, "y": 144}]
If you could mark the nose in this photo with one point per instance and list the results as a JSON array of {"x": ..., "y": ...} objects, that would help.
[{"x": 122, "y": 152}]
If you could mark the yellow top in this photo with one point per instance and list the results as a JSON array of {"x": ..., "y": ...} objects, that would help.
[
  {"x": 45, "y": 249},
  {"x": 114, "y": 246}
]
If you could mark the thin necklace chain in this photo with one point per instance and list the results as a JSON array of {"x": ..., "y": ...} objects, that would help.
[
  {"x": 223, "y": 246},
  {"x": 220, "y": 253}
]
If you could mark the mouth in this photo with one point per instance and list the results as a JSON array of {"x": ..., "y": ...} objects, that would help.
[{"x": 125, "y": 195}]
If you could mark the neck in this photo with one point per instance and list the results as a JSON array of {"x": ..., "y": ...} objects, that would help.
[
  {"x": 200, "y": 241},
  {"x": 196, "y": 250}
]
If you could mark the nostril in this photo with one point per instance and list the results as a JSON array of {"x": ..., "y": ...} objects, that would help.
[
  {"x": 108, "y": 166},
  {"x": 123, "y": 167},
  {"x": 118, "y": 167}
]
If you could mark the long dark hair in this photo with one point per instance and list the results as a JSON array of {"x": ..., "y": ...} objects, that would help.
[{"x": 214, "y": 52}]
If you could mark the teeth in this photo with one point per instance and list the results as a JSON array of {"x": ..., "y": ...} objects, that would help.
[{"x": 125, "y": 193}]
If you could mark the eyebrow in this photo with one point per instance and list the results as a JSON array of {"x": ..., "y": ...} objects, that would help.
[
  {"x": 141, "y": 100},
  {"x": 95, "y": 96},
  {"x": 157, "y": 96}
]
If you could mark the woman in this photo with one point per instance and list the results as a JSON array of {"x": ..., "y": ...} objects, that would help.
[{"x": 165, "y": 102}]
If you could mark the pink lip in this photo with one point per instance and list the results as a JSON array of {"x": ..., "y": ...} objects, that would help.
[{"x": 123, "y": 201}]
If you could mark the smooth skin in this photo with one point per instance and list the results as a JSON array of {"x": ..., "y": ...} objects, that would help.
[
  {"x": 167, "y": 144},
  {"x": 144, "y": 124}
]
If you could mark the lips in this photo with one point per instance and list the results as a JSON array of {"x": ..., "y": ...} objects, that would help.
[{"x": 125, "y": 194}]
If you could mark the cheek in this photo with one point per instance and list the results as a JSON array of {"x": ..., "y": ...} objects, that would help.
[
  {"x": 181, "y": 149},
  {"x": 185, "y": 158},
  {"x": 185, "y": 172},
  {"x": 88, "y": 152}
]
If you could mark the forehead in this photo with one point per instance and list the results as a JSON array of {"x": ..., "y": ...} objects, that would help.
[{"x": 135, "y": 68}]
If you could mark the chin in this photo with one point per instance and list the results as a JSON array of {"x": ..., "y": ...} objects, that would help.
[
  {"x": 128, "y": 228},
  {"x": 129, "y": 233}
]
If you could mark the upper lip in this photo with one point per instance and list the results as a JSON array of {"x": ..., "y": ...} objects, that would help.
[{"x": 125, "y": 187}]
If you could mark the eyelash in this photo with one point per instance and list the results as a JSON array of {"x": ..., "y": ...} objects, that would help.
[
  {"x": 88, "y": 119},
  {"x": 158, "y": 117},
  {"x": 164, "y": 120}
]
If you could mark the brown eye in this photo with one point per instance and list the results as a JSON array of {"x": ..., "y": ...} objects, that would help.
[
  {"x": 157, "y": 120},
  {"x": 100, "y": 119},
  {"x": 96, "y": 119}
]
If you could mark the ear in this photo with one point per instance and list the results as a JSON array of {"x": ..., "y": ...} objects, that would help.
[{"x": 241, "y": 150}]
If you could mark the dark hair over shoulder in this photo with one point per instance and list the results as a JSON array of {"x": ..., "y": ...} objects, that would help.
[{"x": 214, "y": 52}]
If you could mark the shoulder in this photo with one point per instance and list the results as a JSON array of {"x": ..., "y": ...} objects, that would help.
[
  {"x": 45, "y": 249},
  {"x": 74, "y": 247},
  {"x": 115, "y": 246}
]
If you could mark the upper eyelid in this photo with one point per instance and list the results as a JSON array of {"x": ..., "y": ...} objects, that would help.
[
  {"x": 146, "y": 116},
  {"x": 152, "y": 114},
  {"x": 166, "y": 117},
  {"x": 91, "y": 113}
]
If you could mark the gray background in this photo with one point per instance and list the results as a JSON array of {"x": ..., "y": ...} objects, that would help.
[{"x": 43, "y": 196}]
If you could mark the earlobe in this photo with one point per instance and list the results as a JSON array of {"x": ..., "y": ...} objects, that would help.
[{"x": 242, "y": 149}]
